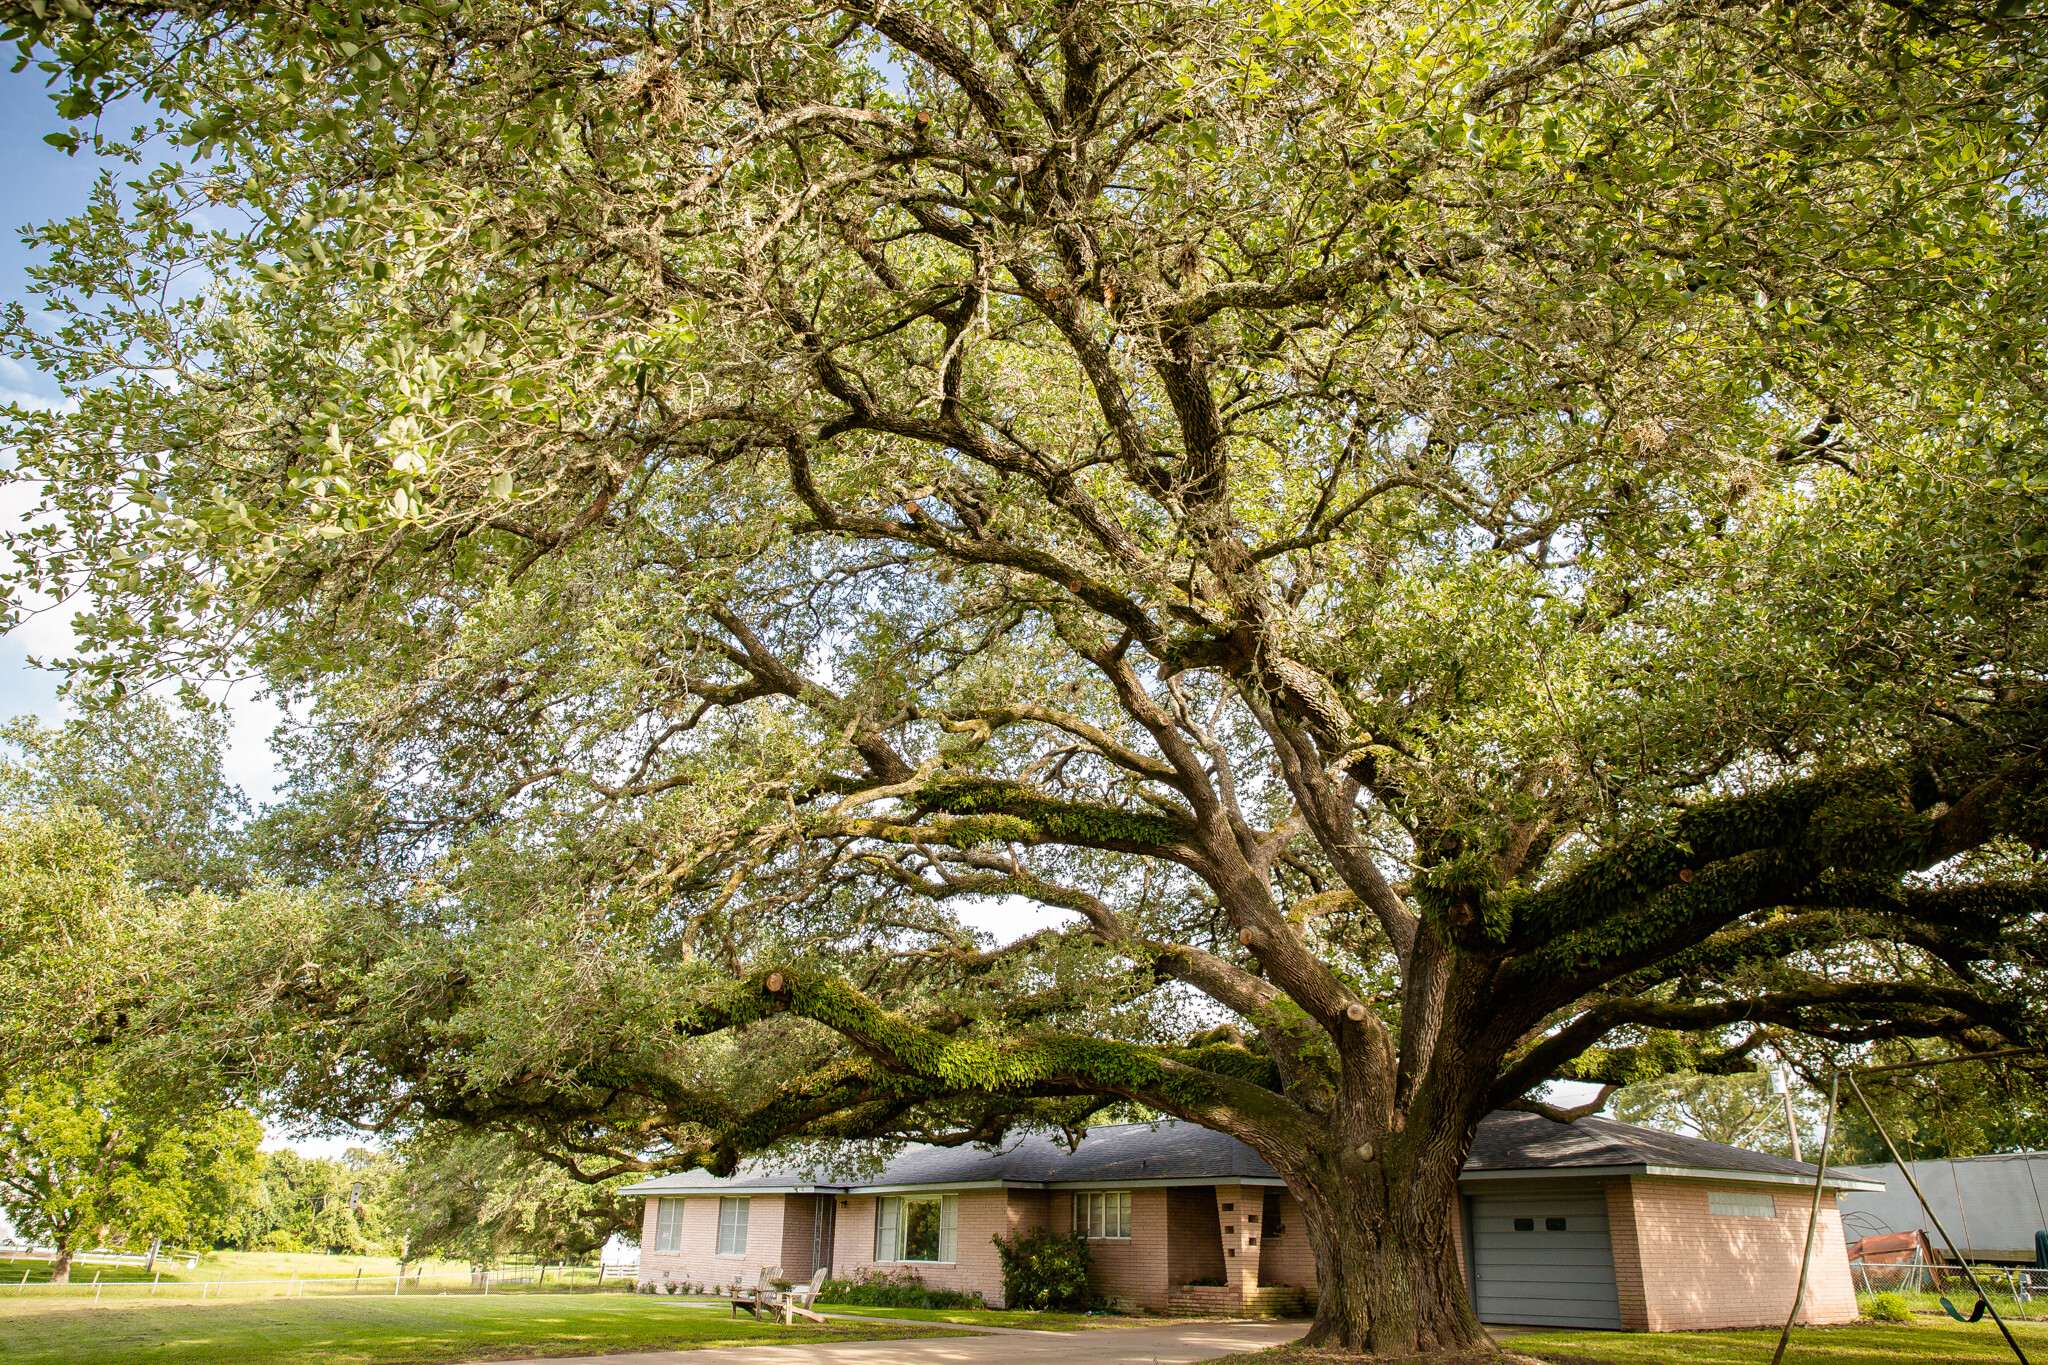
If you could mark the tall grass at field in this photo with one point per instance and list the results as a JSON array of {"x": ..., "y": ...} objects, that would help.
[{"x": 230, "y": 1273}]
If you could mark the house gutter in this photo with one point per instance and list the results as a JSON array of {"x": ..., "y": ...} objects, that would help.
[{"x": 1804, "y": 1182}]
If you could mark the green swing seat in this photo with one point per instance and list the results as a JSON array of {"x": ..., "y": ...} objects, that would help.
[{"x": 1977, "y": 1313}]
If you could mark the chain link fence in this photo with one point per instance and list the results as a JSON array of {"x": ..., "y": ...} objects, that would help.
[{"x": 2016, "y": 1290}]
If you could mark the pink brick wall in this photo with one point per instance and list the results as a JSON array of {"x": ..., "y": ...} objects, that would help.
[
  {"x": 1286, "y": 1259},
  {"x": 1628, "y": 1256},
  {"x": 1234, "y": 1204},
  {"x": 1136, "y": 1267},
  {"x": 799, "y": 1223},
  {"x": 982, "y": 1215},
  {"x": 696, "y": 1260},
  {"x": 1194, "y": 1247},
  {"x": 1697, "y": 1269}
]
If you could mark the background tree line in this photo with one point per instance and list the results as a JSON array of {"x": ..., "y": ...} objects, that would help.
[{"x": 118, "y": 807}]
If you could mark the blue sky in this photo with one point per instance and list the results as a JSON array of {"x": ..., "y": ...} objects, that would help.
[{"x": 39, "y": 183}]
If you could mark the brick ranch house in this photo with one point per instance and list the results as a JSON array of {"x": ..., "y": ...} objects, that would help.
[{"x": 1592, "y": 1224}]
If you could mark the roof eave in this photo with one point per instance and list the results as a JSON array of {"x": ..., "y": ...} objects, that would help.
[
  {"x": 1833, "y": 1181},
  {"x": 678, "y": 1191}
]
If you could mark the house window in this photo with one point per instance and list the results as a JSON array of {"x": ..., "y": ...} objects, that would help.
[
  {"x": 918, "y": 1227},
  {"x": 668, "y": 1225},
  {"x": 1741, "y": 1204},
  {"x": 732, "y": 1226},
  {"x": 1103, "y": 1214}
]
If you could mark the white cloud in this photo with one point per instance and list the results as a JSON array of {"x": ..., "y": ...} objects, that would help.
[
  {"x": 31, "y": 389},
  {"x": 249, "y": 761}
]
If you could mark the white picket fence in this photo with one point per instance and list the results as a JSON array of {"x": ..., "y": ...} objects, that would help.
[
  {"x": 298, "y": 1286},
  {"x": 95, "y": 1257}
]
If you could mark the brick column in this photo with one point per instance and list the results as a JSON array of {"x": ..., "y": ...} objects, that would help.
[
  {"x": 1240, "y": 1237},
  {"x": 1623, "y": 1235}
]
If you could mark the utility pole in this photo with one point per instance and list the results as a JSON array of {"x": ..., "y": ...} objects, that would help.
[{"x": 1781, "y": 1081}]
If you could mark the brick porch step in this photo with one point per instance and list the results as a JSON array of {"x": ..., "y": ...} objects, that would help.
[{"x": 1221, "y": 1301}]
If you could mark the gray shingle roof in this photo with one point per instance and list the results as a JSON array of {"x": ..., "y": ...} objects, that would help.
[
  {"x": 1174, "y": 1152},
  {"x": 1511, "y": 1141},
  {"x": 1123, "y": 1151}
]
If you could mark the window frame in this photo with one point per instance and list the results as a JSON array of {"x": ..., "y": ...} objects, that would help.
[
  {"x": 1730, "y": 1204},
  {"x": 668, "y": 1224},
  {"x": 732, "y": 1230},
  {"x": 891, "y": 1224},
  {"x": 1108, "y": 1210}
]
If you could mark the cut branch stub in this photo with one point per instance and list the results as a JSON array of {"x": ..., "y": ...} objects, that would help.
[
  {"x": 774, "y": 983},
  {"x": 1355, "y": 1012}
]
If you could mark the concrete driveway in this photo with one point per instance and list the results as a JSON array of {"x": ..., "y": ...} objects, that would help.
[{"x": 1171, "y": 1345}]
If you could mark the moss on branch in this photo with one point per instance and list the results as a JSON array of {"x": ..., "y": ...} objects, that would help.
[
  {"x": 1014, "y": 811},
  {"x": 913, "y": 1063}
]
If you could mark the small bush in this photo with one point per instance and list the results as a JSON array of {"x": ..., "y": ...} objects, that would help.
[
  {"x": 902, "y": 1289},
  {"x": 1889, "y": 1306},
  {"x": 1044, "y": 1269}
]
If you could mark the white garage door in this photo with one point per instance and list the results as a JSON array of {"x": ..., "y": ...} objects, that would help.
[{"x": 1544, "y": 1259}]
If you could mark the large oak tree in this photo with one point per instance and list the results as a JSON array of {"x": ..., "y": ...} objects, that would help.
[{"x": 1456, "y": 544}]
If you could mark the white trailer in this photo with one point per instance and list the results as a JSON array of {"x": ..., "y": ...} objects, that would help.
[{"x": 1991, "y": 1205}]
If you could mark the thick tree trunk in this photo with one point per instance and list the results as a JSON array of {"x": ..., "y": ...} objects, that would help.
[
  {"x": 1384, "y": 1232},
  {"x": 60, "y": 1266}
]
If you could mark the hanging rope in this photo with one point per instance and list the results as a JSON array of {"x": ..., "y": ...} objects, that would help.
[
  {"x": 1820, "y": 1176},
  {"x": 2027, "y": 1160},
  {"x": 1968, "y": 1273},
  {"x": 1948, "y": 1142}
]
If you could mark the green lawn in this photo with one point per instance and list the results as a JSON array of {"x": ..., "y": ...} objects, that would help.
[
  {"x": 1927, "y": 1342},
  {"x": 991, "y": 1317},
  {"x": 386, "y": 1331}
]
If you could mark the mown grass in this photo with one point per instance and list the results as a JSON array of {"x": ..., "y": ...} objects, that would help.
[
  {"x": 992, "y": 1317},
  {"x": 1930, "y": 1341},
  {"x": 389, "y": 1331}
]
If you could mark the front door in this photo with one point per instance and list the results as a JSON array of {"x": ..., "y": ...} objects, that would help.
[{"x": 821, "y": 1230}]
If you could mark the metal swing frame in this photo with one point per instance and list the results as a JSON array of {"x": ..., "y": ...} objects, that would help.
[{"x": 1821, "y": 1171}]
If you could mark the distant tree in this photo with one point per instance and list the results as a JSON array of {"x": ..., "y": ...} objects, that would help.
[
  {"x": 476, "y": 1195},
  {"x": 1967, "y": 1110},
  {"x": 84, "y": 1161},
  {"x": 318, "y": 1204},
  {"x": 153, "y": 772},
  {"x": 64, "y": 885},
  {"x": 89, "y": 1153},
  {"x": 1742, "y": 1110}
]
